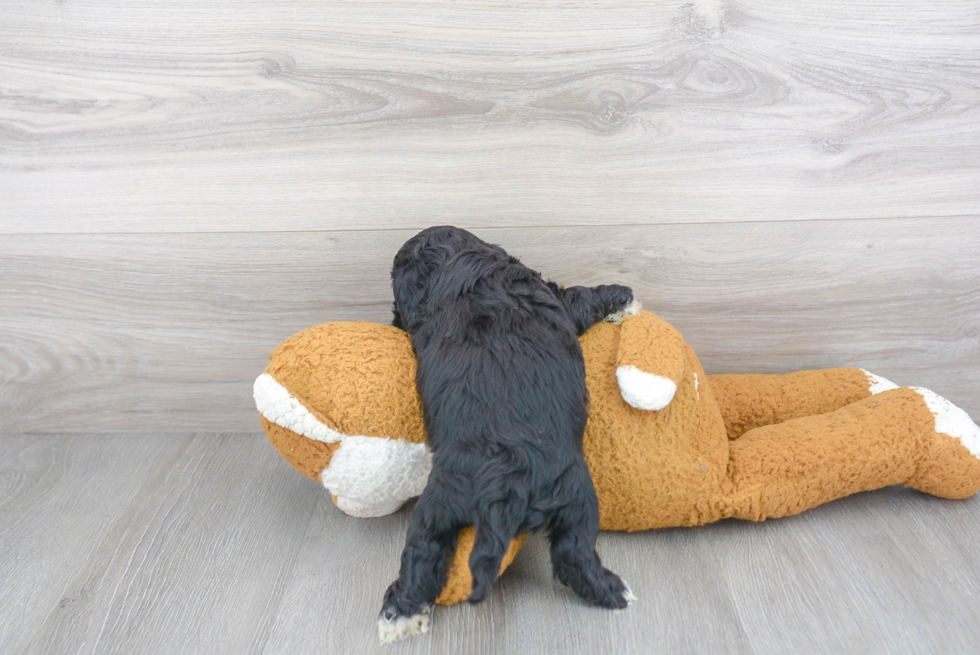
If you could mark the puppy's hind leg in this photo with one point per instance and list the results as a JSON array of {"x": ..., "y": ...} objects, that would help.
[
  {"x": 498, "y": 517},
  {"x": 431, "y": 539},
  {"x": 573, "y": 534}
]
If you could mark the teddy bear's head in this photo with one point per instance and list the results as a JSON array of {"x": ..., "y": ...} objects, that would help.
[{"x": 338, "y": 401}]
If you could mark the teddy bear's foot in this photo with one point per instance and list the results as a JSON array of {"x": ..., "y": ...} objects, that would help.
[
  {"x": 393, "y": 627},
  {"x": 878, "y": 384},
  {"x": 950, "y": 464}
]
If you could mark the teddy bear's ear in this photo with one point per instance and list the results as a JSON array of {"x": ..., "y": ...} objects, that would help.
[{"x": 650, "y": 361}]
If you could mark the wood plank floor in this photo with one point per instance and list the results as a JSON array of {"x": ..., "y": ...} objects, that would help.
[{"x": 212, "y": 544}]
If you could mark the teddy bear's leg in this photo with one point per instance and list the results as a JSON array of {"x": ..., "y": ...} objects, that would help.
[
  {"x": 901, "y": 436},
  {"x": 751, "y": 401},
  {"x": 459, "y": 581}
]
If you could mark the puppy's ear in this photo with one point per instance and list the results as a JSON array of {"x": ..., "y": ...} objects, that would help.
[
  {"x": 409, "y": 284},
  {"x": 396, "y": 318}
]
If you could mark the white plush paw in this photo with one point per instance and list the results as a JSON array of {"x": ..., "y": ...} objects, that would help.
[
  {"x": 644, "y": 390},
  {"x": 877, "y": 384},
  {"x": 952, "y": 421},
  {"x": 368, "y": 510},
  {"x": 403, "y": 627},
  {"x": 632, "y": 309},
  {"x": 376, "y": 475}
]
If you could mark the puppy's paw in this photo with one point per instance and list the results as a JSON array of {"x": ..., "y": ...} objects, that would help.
[
  {"x": 617, "y": 595},
  {"x": 630, "y": 309},
  {"x": 628, "y": 594},
  {"x": 393, "y": 627}
]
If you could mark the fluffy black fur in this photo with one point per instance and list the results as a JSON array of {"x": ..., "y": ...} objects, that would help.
[{"x": 502, "y": 381}]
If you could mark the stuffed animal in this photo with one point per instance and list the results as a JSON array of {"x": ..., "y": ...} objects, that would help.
[{"x": 666, "y": 444}]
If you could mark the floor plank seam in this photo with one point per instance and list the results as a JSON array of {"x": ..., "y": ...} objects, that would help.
[{"x": 491, "y": 227}]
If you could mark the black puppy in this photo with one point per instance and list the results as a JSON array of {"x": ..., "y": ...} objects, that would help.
[{"x": 502, "y": 381}]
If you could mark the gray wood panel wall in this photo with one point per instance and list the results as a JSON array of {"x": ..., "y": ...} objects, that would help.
[{"x": 184, "y": 185}]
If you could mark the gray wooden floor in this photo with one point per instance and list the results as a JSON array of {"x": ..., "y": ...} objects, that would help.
[{"x": 211, "y": 544}]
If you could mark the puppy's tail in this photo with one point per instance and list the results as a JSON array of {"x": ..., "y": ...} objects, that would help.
[{"x": 497, "y": 521}]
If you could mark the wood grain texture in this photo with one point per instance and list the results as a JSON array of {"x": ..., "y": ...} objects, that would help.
[
  {"x": 251, "y": 116},
  {"x": 196, "y": 562},
  {"x": 213, "y": 544},
  {"x": 60, "y": 497},
  {"x": 167, "y": 332}
]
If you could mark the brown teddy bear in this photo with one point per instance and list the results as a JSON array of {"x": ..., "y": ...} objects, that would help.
[{"x": 666, "y": 444}]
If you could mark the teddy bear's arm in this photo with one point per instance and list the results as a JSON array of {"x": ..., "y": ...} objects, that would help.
[{"x": 650, "y": 361}]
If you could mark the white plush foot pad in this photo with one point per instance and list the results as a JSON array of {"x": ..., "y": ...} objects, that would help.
[
  {"x": 376, "y": 475},
  {"x": 877, "y": 384},
  {"x": 632, "y": 309},
  {"x": 644, "y": 390},
  {"x": 403, "y": 627},
  {"x": 952, "y": 421},
  {"x": 367, "y": 510}
]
